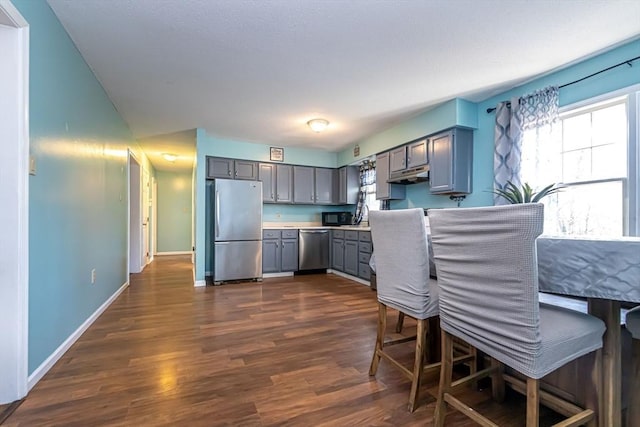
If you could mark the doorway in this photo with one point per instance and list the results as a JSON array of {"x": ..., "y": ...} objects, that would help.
[
  {"x": 14, "y": 195},
  {"x": 135, "y": 216}
]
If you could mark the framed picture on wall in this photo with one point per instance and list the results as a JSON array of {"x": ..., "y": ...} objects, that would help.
[{"x": 276, "y": 154}]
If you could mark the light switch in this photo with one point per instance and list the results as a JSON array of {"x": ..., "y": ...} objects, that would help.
[{"x": 32, "y": 165}]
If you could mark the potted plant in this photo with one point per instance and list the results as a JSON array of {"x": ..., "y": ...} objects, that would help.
[{"x": 525, "y": 194}]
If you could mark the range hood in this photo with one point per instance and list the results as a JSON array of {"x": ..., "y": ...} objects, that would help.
[{"x": 410, "y": 176}]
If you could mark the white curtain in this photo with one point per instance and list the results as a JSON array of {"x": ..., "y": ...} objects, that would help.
[{"x": 516, "y": 120}]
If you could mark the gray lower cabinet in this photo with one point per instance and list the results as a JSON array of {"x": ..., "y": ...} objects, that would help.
[
  {"x": 279, "y": 250},
  {"x": 337, "y": 250},
  {"x": 364, "y": 254},
  {"x": 384, "y": 190},
  {"x": 351, "y": 257},
  {"x": 450, "y": 161},
  {"x": 271, "y": 256},
  {"x": 351, "y": 250}
]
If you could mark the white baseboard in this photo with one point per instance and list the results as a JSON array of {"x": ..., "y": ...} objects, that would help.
[
  {"x": 199, "y": 283},
  {"x": 285, "y": 274},
  {"x": 350, "y": 277},
  {"x": 60, "y": 351},
  {"x": 174, "y": 253}
]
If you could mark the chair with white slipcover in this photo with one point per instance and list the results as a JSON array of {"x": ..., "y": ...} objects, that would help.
[
  {"x": 402, "y": 268},
  {"x": 488, "y": 279}
]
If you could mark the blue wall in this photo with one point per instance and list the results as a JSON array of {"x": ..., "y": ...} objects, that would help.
[
  {"x": 77, "y": 199},
  {"x": 475, "y": 116},
  {"x": 174, "y": 211}
]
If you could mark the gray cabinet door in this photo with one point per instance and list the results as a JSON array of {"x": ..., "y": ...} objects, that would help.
[
  {"x": 441, "y": 168},
  {"x": 323, "y": 186},
  {"x": 303, "y": 185},
  {"x": 398, "y": 159},
  {"x": 267, "y": 174},
  {"x": 289, "y": 255},
  {"x": 384, "y": 190},
  {"x": 451, "y": 162},
  {"x": 382, "y": 175},
  {"x": 284, "y": 183},
  {"x": 218, "y": 167},
  {"x": 337, "y": 254},
  {"x": 348, "y": 185},
  {"x": 271, "y": 256},
  {"x": 351, "y": 261},
  {"x": 245, "y": 169},
  {"x": 417, "y": 154}
]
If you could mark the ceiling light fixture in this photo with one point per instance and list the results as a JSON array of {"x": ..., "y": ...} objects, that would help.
[
  {"x": 169, "y": 157},
  {"x": 318, "y": 125}
]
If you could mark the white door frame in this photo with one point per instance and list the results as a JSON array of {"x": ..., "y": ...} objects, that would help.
[
  {"x": 134, "y": 214},
  {"x": 154, "y": 217},
  {"x": 14, "y": 195}
]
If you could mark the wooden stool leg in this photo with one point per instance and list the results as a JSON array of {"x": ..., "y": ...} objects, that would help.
[
  {"x": 497, "y": 381},
  {"x": 418, "y": 364},
  {"x": 533, "y": 402},
  {"x": 446, "y": 372},
  {"x": 633, "y": 414},
  {"x": 382, "y": 326},
  {"x": 400, "y": 323}
]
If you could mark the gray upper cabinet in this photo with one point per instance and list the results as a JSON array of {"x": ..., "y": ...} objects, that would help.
[
  {"x": 398, "y": 159},
  {"x": 417, "y": 154},
  {"x": 303, "y": 185},
  {"x": 218, "y": 167},
  {"x": 284, "y": 183},
  {"x": 267, "y": 174},
  {"x": 276, "y": 182},
  {"x": 348, "y": 185},
  {"x": 245, "y": 169},
  {"x": 384, "y": 190},
  {"x": 323, "y": 186},
  {"x": 450, "y": 161}
]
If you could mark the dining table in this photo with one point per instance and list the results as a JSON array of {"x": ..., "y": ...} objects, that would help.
[{"x": 605, "y": 271}]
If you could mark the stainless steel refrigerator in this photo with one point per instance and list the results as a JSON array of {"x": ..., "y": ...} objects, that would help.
[{"x": 237, "y": 229}]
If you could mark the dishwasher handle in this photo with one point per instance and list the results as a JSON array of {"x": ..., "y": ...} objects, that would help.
[{"x": 314, "y": 231}]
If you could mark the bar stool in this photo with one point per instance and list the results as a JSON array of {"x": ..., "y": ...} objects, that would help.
[
  {"x": 633, "y": 326},
  {"x": 488, "y": 279},
  {"x": 402, "y": 268}
]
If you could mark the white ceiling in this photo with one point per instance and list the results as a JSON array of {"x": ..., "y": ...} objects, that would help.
[{"x": 258, "y": 70}]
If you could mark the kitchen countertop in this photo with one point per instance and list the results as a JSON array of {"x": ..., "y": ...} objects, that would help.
[{"x": 311, "y": 226}]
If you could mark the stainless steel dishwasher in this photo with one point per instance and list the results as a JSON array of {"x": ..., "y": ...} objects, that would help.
[{"x": 313, "y": 252}]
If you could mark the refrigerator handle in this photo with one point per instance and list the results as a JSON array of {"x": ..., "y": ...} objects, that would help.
[{"x": 217, "y": 213}]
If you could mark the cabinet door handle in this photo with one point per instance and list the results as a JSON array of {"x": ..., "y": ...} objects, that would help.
[
  {"x": 271, "y": 196},
  {"x": 236, "y": 173}
]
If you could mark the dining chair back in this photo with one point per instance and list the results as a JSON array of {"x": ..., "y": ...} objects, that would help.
[
  {"x": 488, "y": 279},
  {"x": 402, "y": 268}
]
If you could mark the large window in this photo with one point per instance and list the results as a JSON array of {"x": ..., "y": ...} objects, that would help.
[{"x": 592, "y": 151}]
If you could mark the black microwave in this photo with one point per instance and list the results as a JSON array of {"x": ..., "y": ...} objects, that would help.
[{"x": 337, "y": 218}]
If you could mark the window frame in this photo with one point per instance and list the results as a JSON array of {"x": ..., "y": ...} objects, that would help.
[{"x": 630, "y": 184}]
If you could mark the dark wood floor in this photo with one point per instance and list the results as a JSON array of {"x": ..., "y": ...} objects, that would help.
[{"x": 287, "y": 351}]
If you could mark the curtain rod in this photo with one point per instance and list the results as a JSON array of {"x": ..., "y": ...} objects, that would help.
[{"x": 627, "y": 62}]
